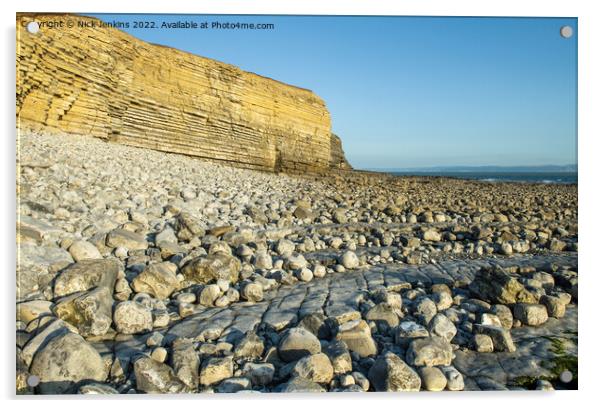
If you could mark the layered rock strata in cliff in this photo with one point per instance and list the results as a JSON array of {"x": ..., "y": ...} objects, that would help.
[
  {"x": 337, "y": 155},
  {"x": 102, "y": 82}
]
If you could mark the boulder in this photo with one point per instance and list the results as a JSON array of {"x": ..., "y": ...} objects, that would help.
[
  {"x": 490, "y": 320},
  {"x": 425, "y": 309},
  {"x": 185, "y": 362},
  {"x": 382, "y": 295},
  {"x": 383, "y": 314},
  {"x": 216, "y": 369},
  {"x": 506, "y": 248},
  {"x": 443, "y": 300},
  {"x": 166, "y": 236},
  {"x": 299, "y": 384},
  {"x": 431, "y": 235},
  {"x": 260, "y": 374},
  {"x": 45, "y": 329},
  {"x": 339, "y": 356},
  {"x": 409, "y": 330},
  {"x": 531, "y": 315},
  {"x": 157, "y": 279},
  {"x": 361, "y": 380},
  {"x": 455, "y": 380},
  {"x": 431, "y": 351},
  {"x": 221, "y": 230},
  {"x": 85, "y": 275},
  {"x": 213, "y": 267},
  {"x": 126, "y": 239},
  {"x": 357, "y": 336},
  {"x": 298, "y": 343},
  {"x": 252, "y": 292},
  {"x": 554, "y": 305},
  {"x": 188, "y": 227},
  {"x": 498, "y": 286},
  {"x": 296, "y": 261},
  {"x": 441, "y": 326},
  {"x": 65, "y": 361},
  {"x": 220, "y": 246},
  {"x": 317, "y": 324},
  {"x": 391, "y": 373},
  {"x": 240, "y": 237},
  {"x": 303, "y": 213},
  {"x": 502, "y": 340},
  {"x": 503, "y": 313},
  {"x": 131, "y": 317},
  {"x": 316, "y": 368},
  {"x": 284, "y": 247},
  {"x": 29, "y": 228},
  {"x": 432, "y": 379},
  {"x": 90, "y": 312},
  {"x": 483, "y": 343},
  {"x": 263, "y": 260},
  {"x": 81, "y": 250},
  {"x": 159, "y": 354},
  {"x": 209, "y": 295},
  {"x": 249, "y": 346},
  {"x": 339, "y": 216},
  {"x": 304, "y": 274},
  {"x": 36, "y": 266},
  {"x": 234, "y": 384},
  {"x": 546, "y": 279},
  {"x": 153, "y": 377}
]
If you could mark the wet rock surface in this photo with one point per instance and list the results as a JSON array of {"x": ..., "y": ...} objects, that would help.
[{"x": 164, "y": 280}]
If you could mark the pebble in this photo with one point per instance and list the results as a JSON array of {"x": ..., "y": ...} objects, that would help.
[
  {"x": 253, "y": 292},
  {"x": 159, "y": 354},
  {"x": 209, "y": 295},
  {"x": 80, "y": 250},
  {"x": 483, "y": 343},
  {"x": 349, "y": 260},
  {"x": 305, "y": 275}
]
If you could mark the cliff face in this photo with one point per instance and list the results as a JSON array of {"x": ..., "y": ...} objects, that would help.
[
  {"x": 337, "y": 156},
  {"x": 105, "y": 83}
]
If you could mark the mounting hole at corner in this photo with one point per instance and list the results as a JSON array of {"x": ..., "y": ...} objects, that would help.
[
  {"x": 566, "y": 376},
  {"x": 33, "y": 27},
  {"x": 566, "y": 31},
  {"x": 33, "y": 380}
]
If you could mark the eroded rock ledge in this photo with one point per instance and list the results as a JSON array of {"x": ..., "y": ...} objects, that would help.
[{"x": 107, "y": 84}]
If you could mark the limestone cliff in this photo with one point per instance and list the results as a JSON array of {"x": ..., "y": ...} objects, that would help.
[
  {"x": 102, "y": 82},
  {"x": 337, "y": 156}
]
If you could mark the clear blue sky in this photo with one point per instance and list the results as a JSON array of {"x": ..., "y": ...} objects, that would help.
[{"x": 413, "y": 91}]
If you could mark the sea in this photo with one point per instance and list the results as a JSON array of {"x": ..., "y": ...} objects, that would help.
[{"x": 498, "y": 177}]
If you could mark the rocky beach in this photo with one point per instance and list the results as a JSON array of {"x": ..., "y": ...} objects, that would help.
[
  {"x": 142, "y": 271},
  {"x": 184, "y": 226}
]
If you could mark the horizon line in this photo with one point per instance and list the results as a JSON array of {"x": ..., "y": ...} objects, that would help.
[{"x": 435, "y": 167}]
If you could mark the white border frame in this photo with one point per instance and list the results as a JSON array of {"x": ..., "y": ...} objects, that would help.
[{"x": 590, "y": 36}]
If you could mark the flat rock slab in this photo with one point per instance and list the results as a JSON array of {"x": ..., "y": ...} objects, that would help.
[{"x": 338, "y": 295}]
